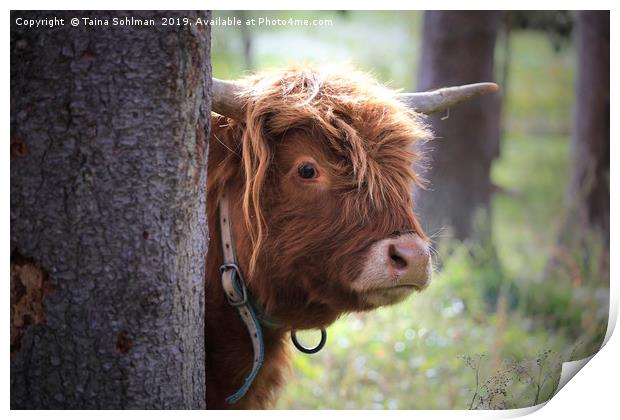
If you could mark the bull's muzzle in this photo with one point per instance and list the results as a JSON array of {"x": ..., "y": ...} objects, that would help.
[
  {"x": 394, "y": 268},
  {"x": 408, "y": 261}
]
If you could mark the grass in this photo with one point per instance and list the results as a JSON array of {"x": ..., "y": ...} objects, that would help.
[{"x": 532, "y": 171}]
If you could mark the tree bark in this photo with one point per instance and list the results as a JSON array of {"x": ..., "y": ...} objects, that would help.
[
  {"x": 458, "y": 48},
  {"x": 109, "y": 129},
  {"x": 583, "y": 240},
  {"x": 587, "y": 197}
]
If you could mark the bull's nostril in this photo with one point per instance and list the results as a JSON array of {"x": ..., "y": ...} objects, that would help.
[{"x": 397, "y": 261}]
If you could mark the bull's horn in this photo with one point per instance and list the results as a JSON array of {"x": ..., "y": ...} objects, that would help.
[
  {"x": 444, "y": 98},
  {"x": 225, "y": 99}
]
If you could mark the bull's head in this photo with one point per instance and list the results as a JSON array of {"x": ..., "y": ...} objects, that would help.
[{"x": 321, "y": 167}]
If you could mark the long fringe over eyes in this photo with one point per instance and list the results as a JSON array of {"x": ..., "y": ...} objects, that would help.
[{"x": 362, "y": 121}]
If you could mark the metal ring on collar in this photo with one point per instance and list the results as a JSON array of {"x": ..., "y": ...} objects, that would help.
[
  {"x": 307, "y": 350},
  {"x": 240, "y": 283}
]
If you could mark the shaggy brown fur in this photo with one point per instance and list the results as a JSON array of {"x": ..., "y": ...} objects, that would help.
[{"x": 300, "y": 242}]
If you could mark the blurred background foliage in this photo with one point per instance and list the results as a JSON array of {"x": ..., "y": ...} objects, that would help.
[{"x": 494, "y": 326}]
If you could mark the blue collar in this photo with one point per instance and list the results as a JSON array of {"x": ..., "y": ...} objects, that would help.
[{"x": 251, "y": 313}]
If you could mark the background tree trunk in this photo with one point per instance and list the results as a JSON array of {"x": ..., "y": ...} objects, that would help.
[
  {"x": 588, "y": 191},
  {"x": 584, "y": 235},
  {"x": 246, "y": 39},
  {"x": 458, "y": 48},
  {"x": 109, "y": 137}
]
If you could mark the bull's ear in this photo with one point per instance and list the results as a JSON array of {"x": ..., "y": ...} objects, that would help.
[
  {"x": 226, "y": 136},
  {"x": 444, "y": 98},
  {"x": 225, "y": 153}
]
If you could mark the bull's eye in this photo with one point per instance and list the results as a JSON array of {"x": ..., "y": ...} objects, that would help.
[{"x": 307, "y": 171}]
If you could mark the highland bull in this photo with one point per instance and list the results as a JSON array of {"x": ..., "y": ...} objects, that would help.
[{"x": 310, "y": 214}]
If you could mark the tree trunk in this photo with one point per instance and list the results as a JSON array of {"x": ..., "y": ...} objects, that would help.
[
  {"x": 458, "y": 48},
  {"x": 584, "y": 236},
  {"x": 108, "y": 222},
  {"x": 246, "y": 40},
  {"x": 588, "y": 191}
]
